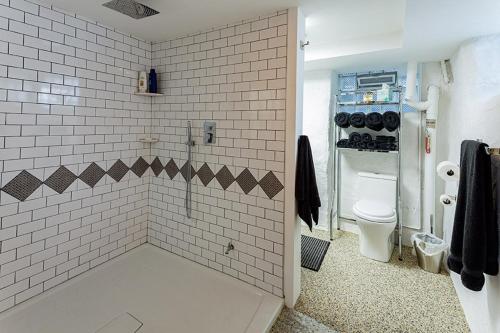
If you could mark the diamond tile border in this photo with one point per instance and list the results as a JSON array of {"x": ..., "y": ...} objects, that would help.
[
  {"x": 25, "y": 184},
  {"x": 61, "y": 179},
  {"x": 22, "y": 186},
  {"x": 92, "y": 175},
  {"x": 205, "y": 174},
  {"x": 271, "y": 185},
  {"x": 246, "y": 181},
  {"x": 171, "y": 168},
  {"x": 118, "y": 170},
  {"x": 224, "y": 177}
]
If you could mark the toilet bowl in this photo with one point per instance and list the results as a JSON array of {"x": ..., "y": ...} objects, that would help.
[
  {"x": 375, "y": 213},
  {"x": 376, "y": 222}
]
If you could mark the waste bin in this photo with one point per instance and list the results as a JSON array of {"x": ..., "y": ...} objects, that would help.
[{"x": 430, "y": 251}]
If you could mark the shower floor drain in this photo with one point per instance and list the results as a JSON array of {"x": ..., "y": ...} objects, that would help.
[{"x": 124, "y": 323}]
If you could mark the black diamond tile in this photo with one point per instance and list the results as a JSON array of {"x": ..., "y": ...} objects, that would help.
[
  {"x": 246, "y": 181},
  {"x": 60, "y": 180},
  {"x": 184, "y": 170},
  {"x": 92, "y": 175},
  {"x": 140, "y": 167},
  {"x": 205, "y": 174},
  {"x": 156, "y": 166},
  {"x": 271, "y": 184},
  {"x": 118, "y": 170},
  {"x": 224, "y": 177},
  {"x": 22, "y": 186},
  {"x": 171, "y": 169}
]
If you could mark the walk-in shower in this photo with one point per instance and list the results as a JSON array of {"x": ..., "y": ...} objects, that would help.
[{"x": 190, "y": 144}]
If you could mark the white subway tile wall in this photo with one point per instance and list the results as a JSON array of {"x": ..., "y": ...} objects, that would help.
[
  {"x": 66, "y": 99},
  {"x": 75, "y": 191},
  {"x": 236, "y": 76}
]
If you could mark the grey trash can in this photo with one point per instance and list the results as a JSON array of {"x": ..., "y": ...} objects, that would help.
[{"x": 430, "y": 251}]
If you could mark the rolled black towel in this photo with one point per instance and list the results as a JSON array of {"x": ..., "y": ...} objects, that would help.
[
  {"x": 344, "y": 143},
  {"x": 383, "y": 146},
  {"x": 391, "y": 120},
  {"x": 374, "y": 121},
  {"x": 351, "y": 144},
  {"x": 354, "y": 137},
  {"x": 342, "y": 119},
  {"x": 357, "y": 119},
  {"x": 361, "y": 145},
  {"x": 366, "y": 137},
  {"x": 385, "y": 138},
  {"x": 371, "y": 145},
  {"x": 387, "y": 146}
]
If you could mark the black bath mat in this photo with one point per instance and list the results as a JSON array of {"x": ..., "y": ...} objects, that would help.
[{"x": 313, "y": 252}]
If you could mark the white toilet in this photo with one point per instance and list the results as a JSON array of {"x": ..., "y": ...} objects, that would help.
[{"x": 375, "y": 211}]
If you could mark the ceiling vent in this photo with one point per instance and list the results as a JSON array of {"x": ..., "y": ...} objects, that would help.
[
  {"x": 375, "y": 80},
  {"x": 131, "y": 8}
]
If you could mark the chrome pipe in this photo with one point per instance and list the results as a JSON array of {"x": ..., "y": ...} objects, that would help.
[{"x": 190, "y": 144}]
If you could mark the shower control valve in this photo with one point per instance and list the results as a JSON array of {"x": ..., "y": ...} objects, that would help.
[{"x": 209, "y": 132}]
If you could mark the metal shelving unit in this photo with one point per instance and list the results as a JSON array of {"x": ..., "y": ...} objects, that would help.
[{"x": 353, "y": 106}]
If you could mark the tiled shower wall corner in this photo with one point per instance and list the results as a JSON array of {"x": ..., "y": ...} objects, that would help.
[
  {"x": 235, "y": 76},
  {"x": 66, "y": 99},
  {"x": 75, "y": 190}
]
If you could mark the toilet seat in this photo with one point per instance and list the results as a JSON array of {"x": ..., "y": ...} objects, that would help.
[{"x": 374, "y": 211}]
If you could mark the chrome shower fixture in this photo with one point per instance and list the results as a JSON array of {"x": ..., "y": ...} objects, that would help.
[
  {"x": 131, "y": 8},
  {"x": 190, "y": 144}
]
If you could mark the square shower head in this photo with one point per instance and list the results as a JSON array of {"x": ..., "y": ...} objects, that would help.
[{"x": 131, "y": 8}]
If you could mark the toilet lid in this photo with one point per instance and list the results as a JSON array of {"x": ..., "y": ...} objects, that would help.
[{"x": 374, "y": 211}]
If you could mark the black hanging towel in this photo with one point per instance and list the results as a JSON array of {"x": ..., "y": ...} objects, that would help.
[
  {"x": 474, "y": 243},
  {"x": 306, "y": 189}
]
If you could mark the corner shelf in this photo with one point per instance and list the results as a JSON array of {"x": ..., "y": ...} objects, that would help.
[{"x": 148, "y": 94}]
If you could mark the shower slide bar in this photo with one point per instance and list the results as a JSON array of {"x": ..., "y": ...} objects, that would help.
[{"x": 190, "y": 144}]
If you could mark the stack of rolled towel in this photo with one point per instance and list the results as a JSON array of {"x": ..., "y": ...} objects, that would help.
[
  {"x": 386, "y": 142},
  {"x": 357, "y": 119},
  {"x": 365, "y": 141},
  {"x": 375, "y": 121}
]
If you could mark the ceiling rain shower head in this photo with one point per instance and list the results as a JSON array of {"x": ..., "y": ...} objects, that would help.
[{"x": 131, "y": 8}]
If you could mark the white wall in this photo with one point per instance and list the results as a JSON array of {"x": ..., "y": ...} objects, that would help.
[
  {"x": 234, "y": 75},
  {"x": 316, "y": 122},
  {"x": 294, "y": 108},
  {"x": 472, "y": 112},
  {"x": 66, "y": 100}
]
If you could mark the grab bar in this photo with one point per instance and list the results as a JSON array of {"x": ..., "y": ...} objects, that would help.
[{"x": 189, "y": 143}]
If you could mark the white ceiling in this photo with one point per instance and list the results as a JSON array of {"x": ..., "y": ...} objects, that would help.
[
  {"x": 177, "y": 17},
  {"x": 431, "y": 30},
  {"x": 343, "y": 27},
  {"x": 342, "y": 33}
]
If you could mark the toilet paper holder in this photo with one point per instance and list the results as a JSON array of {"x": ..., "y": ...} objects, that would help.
[
  {"x": 448, "y": 201},
  {"x": 448, "y": 171}
]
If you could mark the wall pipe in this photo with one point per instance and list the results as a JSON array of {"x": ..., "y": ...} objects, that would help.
[{"x": 431, "y": 109}]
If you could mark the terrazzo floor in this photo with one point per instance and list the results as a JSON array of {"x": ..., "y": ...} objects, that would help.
[
  {"x": 291, "y": 321},
  {"x": 351, "y": 293}
]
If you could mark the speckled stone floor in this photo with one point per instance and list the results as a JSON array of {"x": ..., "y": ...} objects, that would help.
[
  {"x": 291, "y": 321},
  {"x": 351, "y": 293}
]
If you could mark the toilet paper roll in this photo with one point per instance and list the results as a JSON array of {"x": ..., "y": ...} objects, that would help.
[
  {"x": 448, "y": 171},
  {"x": 447, "y": 200}
]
